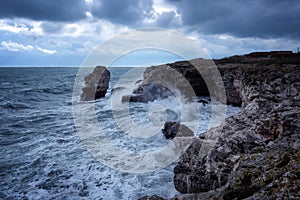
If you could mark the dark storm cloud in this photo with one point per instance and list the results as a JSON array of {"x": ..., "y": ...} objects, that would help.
[
  {"x": 247, "y": 18},
  {"x": 167, "y": 20},
  {"x": 122, "y": 11},
  {"x": 62, "y": 10}
]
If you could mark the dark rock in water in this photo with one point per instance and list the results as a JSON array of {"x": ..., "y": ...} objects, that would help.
[
  {"x": 147, "y": 93},
  {"x": 96, "y": 84},
  {"x": 175, "y": 129},
  {"x": 133, "y": 98},
  {"x": 170, "y": 129},
  {"x": 151, "y": 92},
  {"x": 117, "y": 89},
  {"x": 203, "y": 102}
]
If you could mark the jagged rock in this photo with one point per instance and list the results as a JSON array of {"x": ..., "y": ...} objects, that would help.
[
  {"x": 255, "y": 155},
  {"x": 96, "y": 84},
  {"x": 164, "y": 81},
  {"x": 273, "y": 174},
  {"x": 175, "y": 129},
  {"x": 187, "y": 77}
]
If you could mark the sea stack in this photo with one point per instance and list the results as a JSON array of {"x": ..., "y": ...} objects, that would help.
[{"x": 96, "y": 84}]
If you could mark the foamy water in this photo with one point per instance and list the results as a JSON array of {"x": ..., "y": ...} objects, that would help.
[{"x": 43, "y": 156}]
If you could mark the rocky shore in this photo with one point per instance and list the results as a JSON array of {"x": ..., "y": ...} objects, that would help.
[{"x": 257, "y": 153}]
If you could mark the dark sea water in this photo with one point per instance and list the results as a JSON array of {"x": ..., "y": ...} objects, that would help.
[{"x": 43, "y": 157}]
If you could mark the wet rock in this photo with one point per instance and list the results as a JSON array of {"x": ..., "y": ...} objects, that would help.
[
  {"x": 133, "y": 98},
  {"x": 150, "y": 92},
  {"x": 175, "y": 129},
  {"x": 96, "y": 84},
  {"x": 203, "y": 102}
]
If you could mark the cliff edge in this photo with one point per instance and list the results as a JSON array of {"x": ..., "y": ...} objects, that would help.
[{"x": 256, "y": 155}]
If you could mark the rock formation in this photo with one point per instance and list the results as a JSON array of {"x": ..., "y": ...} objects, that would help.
[
  {"x": 165, "y": 80},
  {"x": 256, "y": 154},
  {"x": 175, "y": 129},
  {"x": 96, "y": 84}
]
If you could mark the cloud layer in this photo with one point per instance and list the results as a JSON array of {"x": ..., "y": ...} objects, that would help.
[
  {"x": 248, "y": 18},
  {"x": 62, "y": 10},
  {"x": 71, "y": 28}
]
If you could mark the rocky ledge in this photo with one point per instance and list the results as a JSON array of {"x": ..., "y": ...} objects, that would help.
[
  {"x": 192, "y": 78},
  {"x": 257, "y": 151}
]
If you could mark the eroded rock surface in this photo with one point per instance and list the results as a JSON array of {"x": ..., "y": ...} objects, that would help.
[
  {"x": 96, "y": 84},
  {"x": 192, "y": 78},
  {"x": 257, "y": 153}
]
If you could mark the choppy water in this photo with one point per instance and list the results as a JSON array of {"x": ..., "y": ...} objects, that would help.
[{"x": 43, "y": 157}]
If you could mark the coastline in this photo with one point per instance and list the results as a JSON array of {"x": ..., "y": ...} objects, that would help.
[{"x": 257, "y": 153}]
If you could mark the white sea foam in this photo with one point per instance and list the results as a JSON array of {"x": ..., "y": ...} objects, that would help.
[{"x": 43, "y": 157}]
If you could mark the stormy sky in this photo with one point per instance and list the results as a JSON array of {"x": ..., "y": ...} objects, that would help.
[{"x": 63, "y": 32}]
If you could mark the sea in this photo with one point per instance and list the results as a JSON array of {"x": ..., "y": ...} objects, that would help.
[{"x": 44, "y": 155}]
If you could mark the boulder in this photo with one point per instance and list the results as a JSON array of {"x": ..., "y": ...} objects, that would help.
[
  {"x": 96, "y": 84},
  {"x": 175, "y": 129}
]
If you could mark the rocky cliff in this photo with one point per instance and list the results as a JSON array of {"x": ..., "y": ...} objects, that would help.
[
  {"x": 192, "y": 78},
  {"x": 256, "y": 155}
]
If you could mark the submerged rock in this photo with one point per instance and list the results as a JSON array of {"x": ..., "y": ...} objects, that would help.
[{"x": 96, "y": 84}]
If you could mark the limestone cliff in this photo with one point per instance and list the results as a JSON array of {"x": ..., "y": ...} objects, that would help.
[{"x": 256, "y": 155}]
